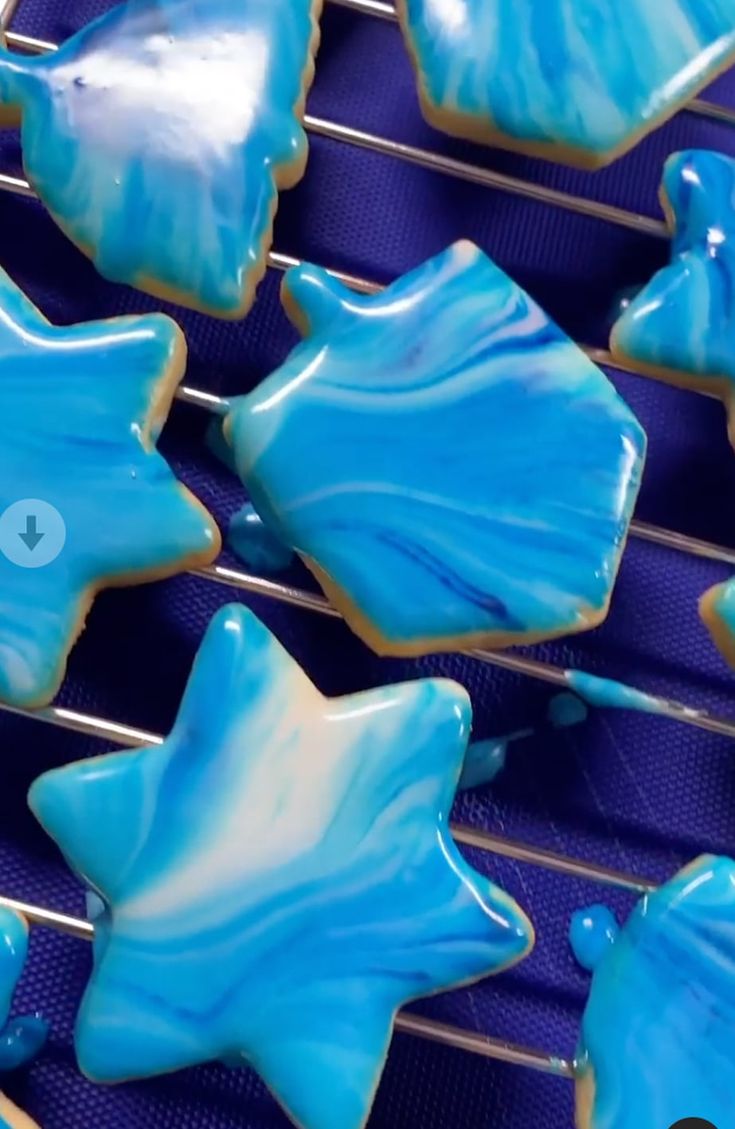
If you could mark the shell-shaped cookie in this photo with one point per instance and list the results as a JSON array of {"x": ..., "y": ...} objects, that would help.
[
  {"x": 277, "y": 877},
  {"x": 452, "y": 467},
  {"x": 657, "y": 1045},
  {"x": 571, "y": 80},
  {"x": 159, "y": 135}
]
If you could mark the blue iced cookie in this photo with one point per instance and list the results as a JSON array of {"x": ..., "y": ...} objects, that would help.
[
  {"x": 277, "y": 878},
  {"x": 657, "y": 1042},
  {"x": 681, "y": 326},
  {"x": 86, "y": 501},
  {"x": 578, "y": 81},
  {"x": 448, "y": 463},
  {"x": 22, "y": 1038},
  {"x": 158, "y": 138},
  {"x": 717, "y": 611}
]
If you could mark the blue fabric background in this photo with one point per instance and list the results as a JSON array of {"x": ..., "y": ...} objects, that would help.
[{"x": 637, "y": 793}]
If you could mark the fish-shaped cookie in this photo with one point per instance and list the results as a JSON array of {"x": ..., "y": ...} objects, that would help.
[
  {"x": 452, "y": 467},
  {"x": 159, "y": 135}
]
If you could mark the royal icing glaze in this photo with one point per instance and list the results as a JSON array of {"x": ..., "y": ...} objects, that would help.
[
  {"x": 571, "y": 80},
  {"x": 656, "y": 1044},
  {"x": 80, "y": 409},
  {"x": 277, "y": 878},
  {"x": 159, "y": 135},
  {"x": 681, "y": 326},
  {"x": 484, "y": 760},
  {"x": 717, "y": 610},
  {"x": 398, "y": 451},
  {"x": 609, "y": 694}
]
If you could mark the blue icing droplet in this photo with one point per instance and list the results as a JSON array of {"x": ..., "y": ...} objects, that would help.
[
  {"x": 608, "y": 694},
  {"x": 591, "y": 932},
  {"x": 367, "y": 452},
  {"x": 657, "y": 1043},
  {"x": 484, "y": 760},
  {"x": 566, "y": 710},
  {"x": 682, "y": 324},
  {"x": 579, "y": 81},
  {"x": 156, "y": 135},
  {"x": 249, "y": 539},
  {"x": 22, "y": 1038},
  {"x": 279, "y": 850}
]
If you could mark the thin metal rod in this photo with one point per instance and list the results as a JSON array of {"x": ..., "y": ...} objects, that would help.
[
  {"x": 406, "y": 1023},
  {"x": 7, "y": 11},
  {"x": 131, "y": 737},
  {"x": 382, "y": 11}
]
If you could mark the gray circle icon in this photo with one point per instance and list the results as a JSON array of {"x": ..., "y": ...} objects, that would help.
[
  {"x": 32, "y": 533},
  {"x": 693, "y": 1123}
]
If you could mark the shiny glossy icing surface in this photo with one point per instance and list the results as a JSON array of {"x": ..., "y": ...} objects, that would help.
[
  {"x": 682, "y": 323},
  {"x": 80, "y": 408},
  {"x": 609, "y": 694},
  {"x": 278, "y": 877},
  {"x": 656, "y": 1044},
  {"x": 21, "y": 1038},
  {"x": 158, "y": 134},
  {"x": 398, "y": 451},
  {"x": 572, "y": 79}
]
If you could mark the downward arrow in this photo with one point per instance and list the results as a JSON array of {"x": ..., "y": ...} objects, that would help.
[{"x": 31, "y": 536}]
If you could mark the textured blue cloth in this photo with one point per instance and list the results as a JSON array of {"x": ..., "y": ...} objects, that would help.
[{"x": 637, "y": 793}]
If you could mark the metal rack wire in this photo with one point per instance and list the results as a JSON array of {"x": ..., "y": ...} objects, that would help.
[{"x": 128, "y": 736}]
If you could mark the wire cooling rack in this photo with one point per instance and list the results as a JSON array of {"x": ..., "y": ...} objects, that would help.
[{"x": 603, "y": 810}]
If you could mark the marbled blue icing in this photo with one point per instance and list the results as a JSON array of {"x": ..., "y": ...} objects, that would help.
[
  {"x": 566, "y": 710},
  {"x": 573, "y": 79},
  {"x": 20, "y": 1039},
  {"x": 682, "y": 324},
  {"x": 657, "y": 1035},
  {"x": 398, "y": 451},
  {"x": 608, "y": 694},
  {"x": 279, "y": 877},
  {"x": 80, "y": 408},
  {"x": 254, "y": 544},
  {"x": 591, "y": 932},
  {"x": 158, "y": 134}
]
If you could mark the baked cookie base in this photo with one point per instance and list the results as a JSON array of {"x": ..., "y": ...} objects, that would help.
[{"x": 15, "y": 1117}]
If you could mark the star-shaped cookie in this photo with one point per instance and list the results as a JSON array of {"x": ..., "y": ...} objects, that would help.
[
  {"x": 579, "y": 81},
  {"x": 656, "y": 1045},
  {"x": 278, "y": 878},
  {"x": 451, "y": 466},
  {"x": 681, "y": 326},
  {"x": 86, "y": 501},
  {"x": 158, "y": 138}
]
